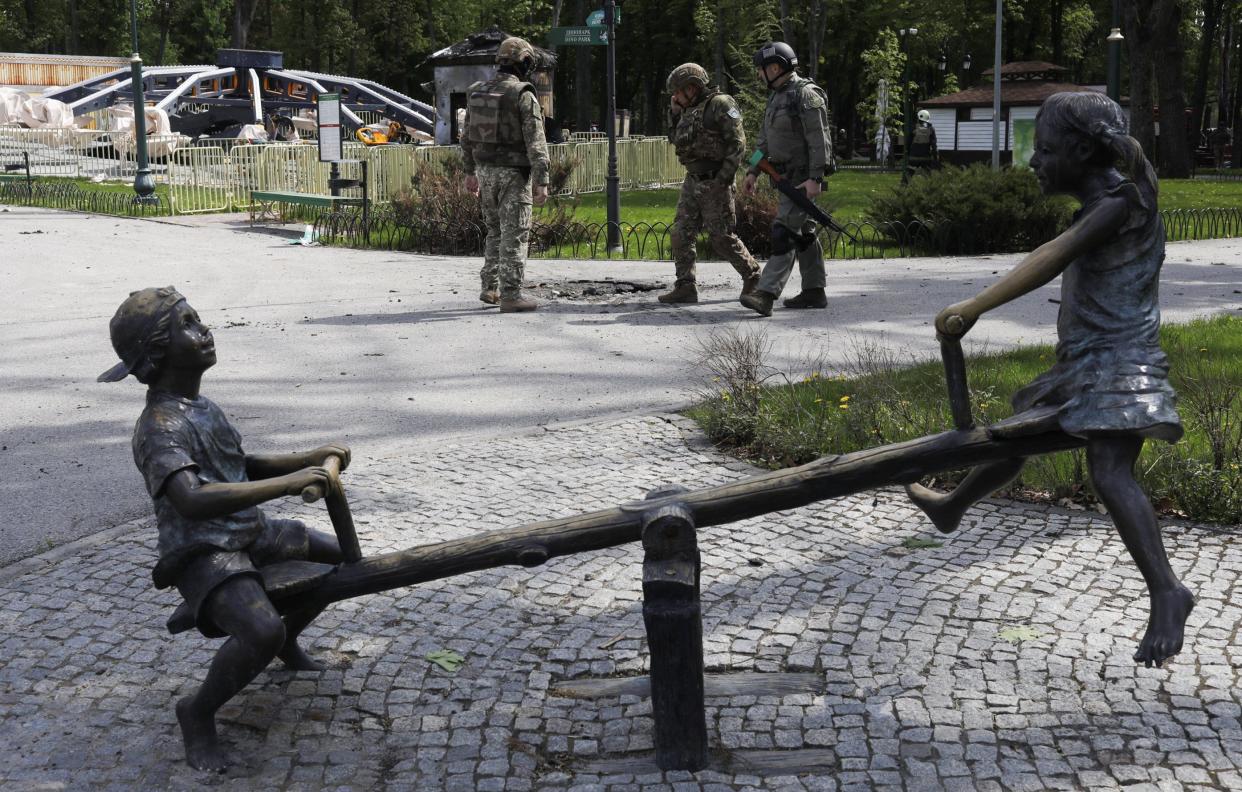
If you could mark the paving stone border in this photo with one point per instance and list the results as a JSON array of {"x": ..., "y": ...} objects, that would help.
[{"x": 924, "y": 682}]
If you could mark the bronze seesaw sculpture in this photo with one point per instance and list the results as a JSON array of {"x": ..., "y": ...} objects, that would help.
[{"x": 261, "y": 581}]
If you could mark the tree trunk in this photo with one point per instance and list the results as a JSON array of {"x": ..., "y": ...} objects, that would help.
[
  {"x": 1223, "y": 92},
  {"x": 1169, "y": 60},
  {"x": 718, "y": 67},
  {"x": 786, "y": 23},
  {"x": 582, "y": 78},
  {"x": 165, "y": 23},
  {"x": 1138, "y": 43},
  {"x": 243, "y": 15},
  {"x": 72, "y": 43},
  {"x": 1235, "y": 114},
  {"x": 1057, "y": 10},
  {"x": 819, "y": 18},
  {"x": 1211, "y": 18}
]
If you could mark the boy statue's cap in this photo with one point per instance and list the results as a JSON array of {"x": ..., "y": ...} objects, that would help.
[{"x": 132, "y": 326}]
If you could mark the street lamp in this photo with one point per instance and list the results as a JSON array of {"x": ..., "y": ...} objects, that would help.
[
  {"x": 907, "y": 107},
  {"x": 144, "y": 185},
  {"x": 1114, "y": 55}
]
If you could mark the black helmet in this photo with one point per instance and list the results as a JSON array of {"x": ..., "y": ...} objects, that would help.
[{"x": 776, "y": 52}]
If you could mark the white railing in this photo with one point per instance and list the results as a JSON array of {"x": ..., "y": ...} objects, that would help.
[{"x": 211, "y": 175}]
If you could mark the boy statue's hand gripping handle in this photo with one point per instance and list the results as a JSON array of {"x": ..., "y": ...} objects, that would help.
[
  {"x": 338, "y": 510},
  {"x": 315, "y": 491}
]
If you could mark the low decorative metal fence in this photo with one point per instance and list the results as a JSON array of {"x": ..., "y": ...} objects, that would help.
[
  {"x": 863, "y": 240},
  {"x": 68, "y": 195}
]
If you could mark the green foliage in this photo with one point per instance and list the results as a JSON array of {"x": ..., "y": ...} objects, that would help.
[
  {"x": 779, "y": 420},
  {"x": 975, "y": 210},
  {"x": 882, "y": 66}
]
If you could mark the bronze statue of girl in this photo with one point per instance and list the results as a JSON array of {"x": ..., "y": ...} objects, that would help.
[{"x": 1109, "y": 384}]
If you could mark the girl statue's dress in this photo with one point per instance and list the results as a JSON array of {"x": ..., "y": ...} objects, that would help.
[{"x": 1111, "y": 377}]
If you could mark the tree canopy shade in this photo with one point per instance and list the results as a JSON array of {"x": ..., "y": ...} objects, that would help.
[{"x": 1181, "y": 55}]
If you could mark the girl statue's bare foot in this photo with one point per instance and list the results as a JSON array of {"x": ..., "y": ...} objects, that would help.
[
  {"x": 295, "y": 658},
  {"x": 937, "y": 506},
  {"x": 202, "y": 747},
  {"x": 1169, "y": 610}
]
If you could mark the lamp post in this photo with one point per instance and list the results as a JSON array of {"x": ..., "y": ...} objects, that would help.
[
  {"x": 144, "y": 185},
  {"x": 996, "y": 87},
  {"x": 1114, "y": 55},
  {"x": 612, "y": 180},
  {"x": 907, "y": 106}
]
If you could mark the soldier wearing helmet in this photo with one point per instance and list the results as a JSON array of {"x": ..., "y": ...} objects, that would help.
[
  {"x": 796, "y": 137},
  {"x": 707, "y": 135},
  {"x": 922, "y": 147},
  {"x": 503, "y": 150}
]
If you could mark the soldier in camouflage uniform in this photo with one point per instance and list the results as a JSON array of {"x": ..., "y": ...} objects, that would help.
[
  {"x": 796, "y": 138},
  {"x": 710, "y": 143},
  {"x": 504, "y": 152}
]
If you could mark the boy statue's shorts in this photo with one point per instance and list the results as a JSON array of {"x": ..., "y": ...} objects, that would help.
[{"x": 281, "y": 540}]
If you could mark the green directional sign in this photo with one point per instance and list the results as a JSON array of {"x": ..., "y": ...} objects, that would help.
[
  {"x": 578, "y": 36},
  {"x": 596, "y": 18}
]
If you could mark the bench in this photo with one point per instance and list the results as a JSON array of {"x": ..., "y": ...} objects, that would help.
[{"x": 266, "y": 204}]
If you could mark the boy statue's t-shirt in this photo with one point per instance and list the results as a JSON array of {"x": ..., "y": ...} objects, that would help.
[{"x": 174, "y": 434}]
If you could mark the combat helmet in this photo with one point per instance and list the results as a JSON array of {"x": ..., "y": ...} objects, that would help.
[
  {"x": 925, "y": 116},
  {"x": 516, "y": 53},
  {"x": 776, "y": 52},
  {"x": 685, "y": 75}
]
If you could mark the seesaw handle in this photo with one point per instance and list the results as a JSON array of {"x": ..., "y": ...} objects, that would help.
[
  {"x": 955, "y": 379},
  {"x": 338, "y": 510},
  {"x": 315, "y": 491}
]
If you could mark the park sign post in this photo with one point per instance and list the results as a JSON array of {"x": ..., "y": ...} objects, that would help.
[
  {"x": 329, "y": 117},
  {"x": 578, "y": 36}
]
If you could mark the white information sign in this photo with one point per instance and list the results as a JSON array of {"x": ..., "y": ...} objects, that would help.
[{"x": 330, "y": 127}]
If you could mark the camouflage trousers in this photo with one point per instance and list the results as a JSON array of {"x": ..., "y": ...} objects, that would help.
[
  {"x": 793, "y": 238},
  {"x": 506, "y": 197},
  {"x": 706, "y": 204}
]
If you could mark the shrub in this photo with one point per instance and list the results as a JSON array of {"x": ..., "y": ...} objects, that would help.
[
  {"x": 973, "y": 210},
  {"x": 446, "y": 217},
  {"x": 755, "y": 214}
]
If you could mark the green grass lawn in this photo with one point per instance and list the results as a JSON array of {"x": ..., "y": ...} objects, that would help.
[
  {"x": 850, "y": 192},
  {"x": 1192, "y": 194},
  {"x": 881, "y": 399}
]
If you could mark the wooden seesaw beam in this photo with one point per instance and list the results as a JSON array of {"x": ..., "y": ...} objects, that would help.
[{"x": 827, "y": 477}]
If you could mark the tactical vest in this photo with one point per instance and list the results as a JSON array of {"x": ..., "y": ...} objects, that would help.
[
  {"x": 920, "y": 142},
  {"x": 700, "y": 147},
  {"x": 782, "y": 124},
  {"x": 494, "y": 121}
]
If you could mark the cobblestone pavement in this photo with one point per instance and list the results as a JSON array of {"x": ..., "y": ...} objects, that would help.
[{"x": 999, "y": 661}]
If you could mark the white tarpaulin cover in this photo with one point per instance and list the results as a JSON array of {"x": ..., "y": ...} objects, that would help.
[
  {"x": 121, "y": 130},
  {"x": 35, "y": 112}
]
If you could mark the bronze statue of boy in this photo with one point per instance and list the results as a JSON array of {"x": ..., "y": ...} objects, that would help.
[{"x": 206, "y": 490}]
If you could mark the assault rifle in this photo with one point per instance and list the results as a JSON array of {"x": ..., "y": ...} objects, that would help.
[{"x": 760, "y": 160}]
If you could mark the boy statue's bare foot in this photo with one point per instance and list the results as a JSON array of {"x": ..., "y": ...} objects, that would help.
[
  {"x": 1163, "y": 639},
  {"x": 937, "y": 506},
  {"x": 202, "y": 747},
  {"x": 295, "y": 658}
]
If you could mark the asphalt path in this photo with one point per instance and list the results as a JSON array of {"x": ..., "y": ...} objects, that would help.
[{"x": 392, "y": 352}]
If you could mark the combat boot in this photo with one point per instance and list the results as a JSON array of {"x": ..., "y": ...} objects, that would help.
[
  {"x": 750, "y": 283},
  {"x": 759, "y": 301},
  {"x": 809, "y": 298},
  {"x": 518, "y": 304},
  {"x": 683, "y": 292},
  {"x": 490, "y": 296}
]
